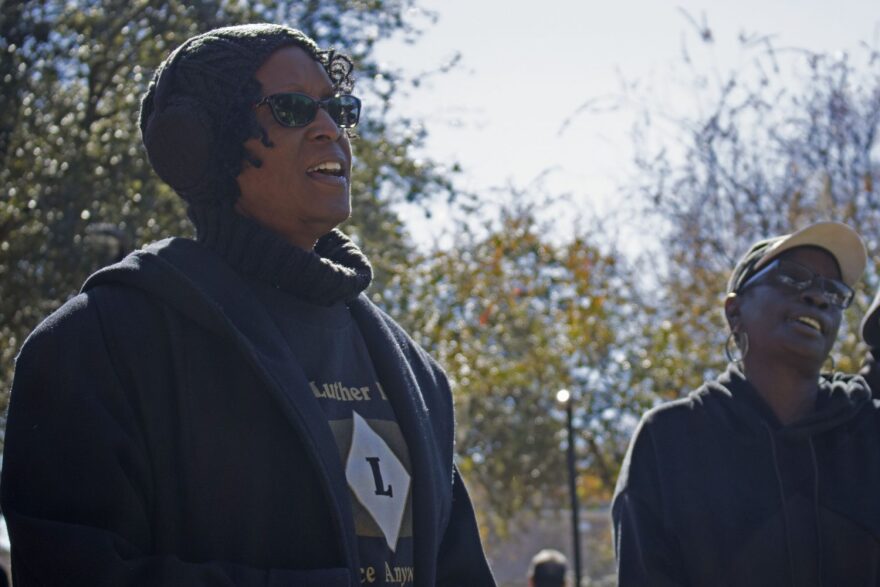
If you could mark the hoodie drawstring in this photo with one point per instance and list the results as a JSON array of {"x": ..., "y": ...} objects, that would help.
[{"x": 782, "y": 501}]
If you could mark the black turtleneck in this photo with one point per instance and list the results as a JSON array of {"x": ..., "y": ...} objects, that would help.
[{"x": 335, "y": 270}]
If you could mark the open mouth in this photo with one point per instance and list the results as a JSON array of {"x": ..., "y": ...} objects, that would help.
[
  {"x": 328, "y": 168},
  {"x": 811, "y": 322}
]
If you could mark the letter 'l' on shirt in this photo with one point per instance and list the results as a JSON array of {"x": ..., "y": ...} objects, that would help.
[{"x": 328, "y": 344}]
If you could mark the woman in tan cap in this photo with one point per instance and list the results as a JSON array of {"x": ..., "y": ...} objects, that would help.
[{"x": 769, "y": 474}]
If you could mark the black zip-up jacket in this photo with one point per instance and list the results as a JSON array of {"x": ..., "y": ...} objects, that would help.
[
  {"x": 715, "y": 492},
  {"x": 160, "y": 432}
]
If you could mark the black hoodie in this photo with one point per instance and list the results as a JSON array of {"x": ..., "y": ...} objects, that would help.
[
  {"x": 715, "y": 491},
  {"x": 161, "y": 433}
]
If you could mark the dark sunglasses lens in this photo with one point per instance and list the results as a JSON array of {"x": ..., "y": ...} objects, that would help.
[
  {"x": 345, "y": 110},
  {"x": 293, "y": 109}
]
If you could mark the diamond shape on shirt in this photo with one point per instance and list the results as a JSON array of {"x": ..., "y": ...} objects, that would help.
[{"x": 378, "y": 479}]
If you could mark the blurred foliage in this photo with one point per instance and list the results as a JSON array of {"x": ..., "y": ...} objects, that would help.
[
  {"x": 514, "y": 318},
  {"x": 75, "y": 185},
  {"x": 787, "y": 140}
]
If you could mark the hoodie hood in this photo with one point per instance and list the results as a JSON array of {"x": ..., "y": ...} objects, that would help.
[
  {"x": 840, "y": 399},
  {"x": 195, "y": 280}
]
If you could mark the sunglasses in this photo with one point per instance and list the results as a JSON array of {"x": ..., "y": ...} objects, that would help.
[
  {"x": 292, "y": 109},
  {"x": 799, "y": 278}
]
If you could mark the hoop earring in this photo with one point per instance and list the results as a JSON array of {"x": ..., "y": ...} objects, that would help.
[{"x": 741, "y": 343}]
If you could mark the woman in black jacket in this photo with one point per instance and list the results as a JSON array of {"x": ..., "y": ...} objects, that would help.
[{"x": 769, "y": 474}]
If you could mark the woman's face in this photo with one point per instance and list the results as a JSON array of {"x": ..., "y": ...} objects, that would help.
[
  {"x": 784, "y": 324},
  {"x": 292, "y": 192}
]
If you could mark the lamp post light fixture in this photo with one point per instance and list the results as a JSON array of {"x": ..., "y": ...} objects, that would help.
[{"x": 563, "y": 396}]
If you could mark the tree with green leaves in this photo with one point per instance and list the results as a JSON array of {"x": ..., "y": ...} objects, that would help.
[{"x": 514, "y": 317}]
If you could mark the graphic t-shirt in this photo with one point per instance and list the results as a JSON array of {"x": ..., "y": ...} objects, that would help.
[{"x": 329, "y": 346}]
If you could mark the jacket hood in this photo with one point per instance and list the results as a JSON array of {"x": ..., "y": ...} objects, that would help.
[
  {"x": 183, "y": 274},
  {"x": 196, "y": 280},
  {"x": 841, "y": 397}
]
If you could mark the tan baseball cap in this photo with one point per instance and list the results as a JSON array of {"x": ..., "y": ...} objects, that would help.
[{"x": 844, "y": 244}]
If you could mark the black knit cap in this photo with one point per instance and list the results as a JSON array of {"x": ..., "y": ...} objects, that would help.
[{"x": 196, "y": 113}]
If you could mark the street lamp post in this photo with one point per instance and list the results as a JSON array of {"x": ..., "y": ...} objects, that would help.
[{"x": 563, "y": 396}]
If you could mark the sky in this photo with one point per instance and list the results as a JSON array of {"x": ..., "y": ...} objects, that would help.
[{"x": 526, "y": 68}]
